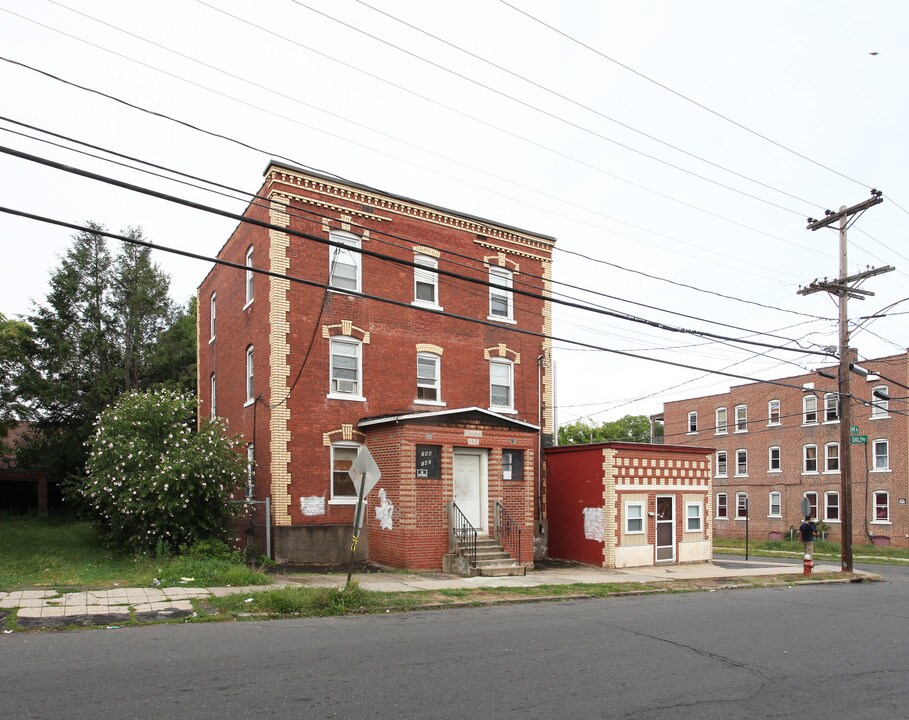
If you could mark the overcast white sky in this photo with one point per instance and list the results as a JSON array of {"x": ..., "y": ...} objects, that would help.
[{"x": 824, "y": 79}]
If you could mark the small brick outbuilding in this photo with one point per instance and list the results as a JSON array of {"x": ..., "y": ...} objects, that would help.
[{"x": 619, "y": 504}]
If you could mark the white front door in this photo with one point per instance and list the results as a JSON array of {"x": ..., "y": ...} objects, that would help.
[
  {"x": 470, "y": 486},
  {"x": 665, "y": 528}
]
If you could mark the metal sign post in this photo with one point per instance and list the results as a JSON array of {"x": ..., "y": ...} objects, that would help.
[
  {"x": 365, "y": 474},
  {"x": 356, "y": 527}
]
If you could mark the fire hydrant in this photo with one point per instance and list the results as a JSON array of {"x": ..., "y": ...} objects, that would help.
[{"x": 807, "y": 564}]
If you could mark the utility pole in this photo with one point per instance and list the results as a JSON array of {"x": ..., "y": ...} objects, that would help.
[{"x": 845, "y": 287}]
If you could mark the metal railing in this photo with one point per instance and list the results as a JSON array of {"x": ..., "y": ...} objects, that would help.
[
  {"x": 508, "y": 532},
  {"x": 465, "y": 533}
]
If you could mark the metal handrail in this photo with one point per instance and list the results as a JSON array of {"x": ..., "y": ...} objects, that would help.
[
  {"x": 508, "y": 532},
  {"x": 465, "y": 533}
]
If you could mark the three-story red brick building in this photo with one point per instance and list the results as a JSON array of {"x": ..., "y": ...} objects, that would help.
[
  {"x": 417, "y": 331},
  {"x": 778, "y": 443}
]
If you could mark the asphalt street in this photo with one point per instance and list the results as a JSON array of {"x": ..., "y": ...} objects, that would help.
[{"x": 835, "y": 651}]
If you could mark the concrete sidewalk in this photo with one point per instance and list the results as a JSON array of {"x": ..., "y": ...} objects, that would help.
[{"x": 48, "y": 608}]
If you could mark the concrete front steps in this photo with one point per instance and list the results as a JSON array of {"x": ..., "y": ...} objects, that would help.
[{"x": 494, "y": 561}]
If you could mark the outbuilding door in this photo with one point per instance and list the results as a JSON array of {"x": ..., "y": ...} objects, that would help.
[
  {"x": 470, "y": 486},
  {"x": 665, "y": 528}
]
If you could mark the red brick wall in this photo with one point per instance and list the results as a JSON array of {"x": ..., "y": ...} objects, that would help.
[{"x": 790, "y": 436}]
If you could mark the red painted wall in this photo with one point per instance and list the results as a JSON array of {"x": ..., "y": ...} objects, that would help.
[{"x": 574, "y": 482}]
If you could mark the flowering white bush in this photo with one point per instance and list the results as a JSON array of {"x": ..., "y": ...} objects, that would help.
[{"x": 152, "y": 481}]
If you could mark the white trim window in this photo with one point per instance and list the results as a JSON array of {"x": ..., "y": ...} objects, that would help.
[
  {"x": 250, "y": 471},
  {"x": 634, "y": 518},
  {"x": 512, "y": 464},
  {"x": 250, "y": 369},
  {"x": 832, "y": 457},
  {"x": 881, "y": 454},
  {"x": 429, "y": 378},
  {"x": 722, "y": 506},
  {"x": 741, "y": 418},
  {"x": 343, "y": 490},
  {"x": 426, "y": 281},
  {"x": 831, "y": 407},
  {"x": 501, "y": 300},
  {"x": 741, "y": 505},
  {"x": 774, "y": 460},
  {"x": 692, "y": 422},
  {"x": 775, "y": 504},
  {"x": 694, "y": 517},
  {"x": 809, "y": 410},
  {"x": 214, "y": 396},
  {"x": 773, "y": 412},
  {"x": 812, "y": 504},
  {"x": 722, "y": 463},
  {"x": 212, "y": 314},
  {"x": 809, "y": 459},
  {"x": 881, "y": 506},
  {"x": 501, "y": 385},
  {"x": 741, "y": 463},
  {"x": 250, "y": 289},
  {"x": 346, "y": 372},
  {"x": 720, "y": 425},
  {"x": 880, "y": 408},
  {"x": 831, "y": 506},
  {"x": 344, "y": 261}
]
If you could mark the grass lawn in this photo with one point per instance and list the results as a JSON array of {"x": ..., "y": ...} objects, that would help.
[
  {"x": 823, "y": 549},
  {"x": 45, "y": 552}
]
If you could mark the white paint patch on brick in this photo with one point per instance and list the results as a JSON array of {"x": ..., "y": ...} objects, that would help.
[
  {"x": 593, "y": 523},
  {"x": 312, "y": 505},
  {"x": 384, "y": 511}
]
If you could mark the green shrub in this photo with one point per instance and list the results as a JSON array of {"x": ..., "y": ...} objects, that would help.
[{"x": 154, "y": 485}]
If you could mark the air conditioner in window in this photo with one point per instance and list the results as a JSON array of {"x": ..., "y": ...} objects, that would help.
[{"x": 345, "y": 386}]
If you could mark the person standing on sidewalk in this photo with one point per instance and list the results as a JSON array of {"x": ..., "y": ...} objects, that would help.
[{"x": 807, "y": 533}]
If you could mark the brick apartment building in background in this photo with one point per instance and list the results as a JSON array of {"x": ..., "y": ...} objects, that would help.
[
  {"x": 775, "y": 444},
  {"x": 309, "y": 371}
]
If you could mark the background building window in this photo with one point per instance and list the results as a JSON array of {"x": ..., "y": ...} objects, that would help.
[
  {"x": 775, "y": 505},
  {"x": 832, "y": 457},
  {"x": 500, "y": 384},
  {"x": 809, "y": 458},
  {"x": 881, "y": 507},
  {"x": 426, "y": 280},
  {"x": 428, "y": 377},
  {"x": 722, "y": 505},
  {"x": 880, "y": 407},
  {"x": 211, "y": 318},
  {"x": 722, "y": 468},
  {"x": 250, "y": 471},
  {"x": 812, "y": 504},
  {"x": 773, "y": 412},
  {"x": 249, "y": 276},
  {"x": 741, "y": 506},
  {"x": 250, "y": 386},
  {"x": 344, "y": 261},
  {"x": 692, "y": 422},
  {"x": 214, "y": 396},
  {"x": 809, "y": 410},
  {"x": 774, "y": 463},
  {"x": 741, "y": 418},
  {"x": 345, "y": 367},
  {"x": 720, "y": 421},
  {"x": 832, "y": 506},
  {"x": 342, "y": 458},
  {"x": 512, "y": 464},
  {"x": 831, "y": 407},
  {"x": 881, "y": 455},
  {"x": 500, "y": 296}
]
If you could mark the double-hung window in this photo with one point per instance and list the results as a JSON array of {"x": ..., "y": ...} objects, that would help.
[
  {"x": 428, "y": 378},
  {"x": 501, "y": 385},
  {"x": 775, "y": 504},
  {"x": 881, "y": 507},
  {"x": 774, "y": 464},
  {"x": 880, "y": 401},
  {"x": 741, "y": 506},
  {"x": 426, "y": 281},
  {"x": 720, "y": 428},
  {"x": 250, "y": 471},
  {"x": 809, "y": 410},
  {"x": 809, "y": 458},
  {"x": 501, "y": 301},
  {"x": 881, "y": 450},
  {"x": 831, "y": 407},
  {"x": 812, "y": 504},
  {"x": 741, "y": 462},
  {"x": 832, "y": 506},
  {"x": 741, "y": 418},
  {"x": 722, "y": 463},
  {"x": 694, "y": 513},
  {"x": 634, "y": 518},
  {"x": 832, "y": 457},
  {"x": 692, "y": 422},
  {"x": 249, "y": 275},
  {"x": 344, "y": 261},
  {"x": 214, "y": 396},
  {"x": 773, "y": 412},
  {"x": 250, "y": 386},
  {"x": 512, "y": 464},
  {"x": 346, "y": 369},
  {"x": 343, "y": 489},
  {"x": 212, "y": 307},
  {"x": 722, "y": 505}
]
